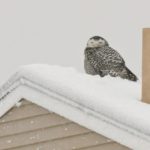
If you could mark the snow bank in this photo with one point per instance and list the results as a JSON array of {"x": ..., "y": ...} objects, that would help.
[{"x": 114, "y": 98}]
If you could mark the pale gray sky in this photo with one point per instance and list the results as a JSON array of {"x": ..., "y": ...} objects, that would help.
[{"x": 56, "y": 31}]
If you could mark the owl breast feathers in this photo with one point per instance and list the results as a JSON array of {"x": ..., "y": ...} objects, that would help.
[{"x": 104, "y": 60}]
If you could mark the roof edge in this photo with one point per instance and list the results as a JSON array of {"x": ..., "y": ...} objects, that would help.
[{"x": 18, "y": 87}]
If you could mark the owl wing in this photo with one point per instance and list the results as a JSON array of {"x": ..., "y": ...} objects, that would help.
[{"x": 105, "y": 58}]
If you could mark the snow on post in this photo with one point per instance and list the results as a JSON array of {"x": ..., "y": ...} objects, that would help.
[{"x": 146, "y": 66}]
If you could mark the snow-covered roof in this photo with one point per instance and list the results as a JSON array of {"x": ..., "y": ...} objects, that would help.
[{"x": 109, "y": 106}]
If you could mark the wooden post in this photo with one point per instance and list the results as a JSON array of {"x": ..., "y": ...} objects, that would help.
[{"x": 146, "y": 66}]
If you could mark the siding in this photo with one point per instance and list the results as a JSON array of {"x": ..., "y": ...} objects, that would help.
[{"x": 30, "y": 127}]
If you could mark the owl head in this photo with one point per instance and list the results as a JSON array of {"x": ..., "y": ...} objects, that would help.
[{"x": 97, "y": 41}]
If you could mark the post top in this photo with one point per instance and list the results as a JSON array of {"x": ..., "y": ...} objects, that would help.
[{"x": 148, "y": 28}]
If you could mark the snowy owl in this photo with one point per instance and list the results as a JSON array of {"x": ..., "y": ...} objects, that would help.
[{"x": 103, "y": 60}]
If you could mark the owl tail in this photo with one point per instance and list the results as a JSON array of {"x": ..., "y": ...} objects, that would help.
[{"x": 127, "y": 74}]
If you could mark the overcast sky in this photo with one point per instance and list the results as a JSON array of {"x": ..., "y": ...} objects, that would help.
[{"x": 56, "y": 31}]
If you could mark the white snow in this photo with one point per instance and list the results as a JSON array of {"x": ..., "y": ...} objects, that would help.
[
  {"x": 32, "y": 137},
  {"x": 66, "y": 129},
  {"x": 114, "y": 97},
  {"x": 31, "y": 122},
  {"x": 9, "y": 141},
  {"x": 18, "y": 104},
  {"x": 113, "y": 100},
  {"x": 3, "y": 120}
]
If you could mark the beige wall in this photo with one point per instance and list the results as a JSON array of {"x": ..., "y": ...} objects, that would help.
[
  {"x": 30, "y": 127},
  {"x": 146, "y": 66}
]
